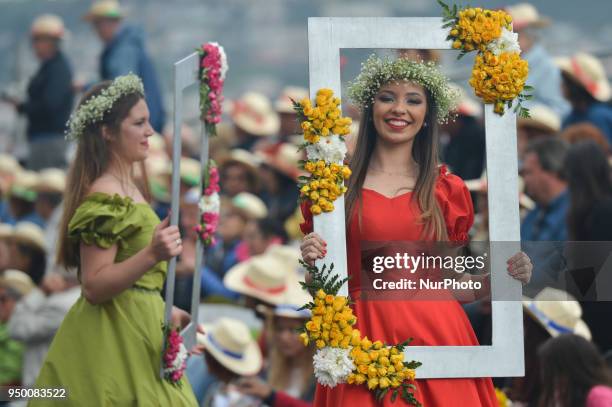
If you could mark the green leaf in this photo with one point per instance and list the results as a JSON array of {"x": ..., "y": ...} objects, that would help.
[
  {"x": 394, "y": 395},
  {"x": 527, "y": 87}
]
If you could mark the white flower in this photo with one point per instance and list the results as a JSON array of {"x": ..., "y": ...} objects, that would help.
[
  {"x": 223, "y": 58},
  {"x": 330, "y": 149},
  {"x": 332, "y": 365},
  {"x": 210, "y": 203},
  {"x": 507, "y": 42}
]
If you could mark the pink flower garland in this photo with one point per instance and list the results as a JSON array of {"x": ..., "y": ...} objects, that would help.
[
  {"x": 209, "y": 205},
  {"x": 175, "y": 356},
  {"x": 213, "y": 66}
]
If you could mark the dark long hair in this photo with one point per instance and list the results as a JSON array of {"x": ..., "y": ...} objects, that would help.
[
  {"x": 588, "y": 175},
  {"x": 424, "y": 152},
  {"x": 91, "y": 160},
  {"x": 570, "y": 367}
]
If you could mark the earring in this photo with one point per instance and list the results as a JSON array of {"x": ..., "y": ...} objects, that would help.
[{"x": 424, "y": 124}]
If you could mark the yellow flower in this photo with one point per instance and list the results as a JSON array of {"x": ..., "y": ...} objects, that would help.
[
  {"x": 383, "y": 360},
  {"x": 372, "y": 371},
  {"x": 383, "y": 383},
  {"x": 360, "y": 378},
  {"x": 304, "y": 338},
  {"x": 315, "y": 209},
  {"x": 320, "y": 344},
  {"x": 372, "y": 383},
  {"x": 366, "y": 344},
  {"x": 377, "y": 345}
]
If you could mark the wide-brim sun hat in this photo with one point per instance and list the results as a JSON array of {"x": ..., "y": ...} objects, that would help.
[
  {"x": 17, "y": 280},
  {"x": 30, "y": 234},
  {"x": 263, "y": 277},
  {"x": 104, "y": 9},
  {"x": 284, "y": 103},
  {"x": 24, "y": 185},
  {"x": 542, "y": 118},
  {"x": 48, "y": 25},
  {"x": 231, "y": 344},
  {"x": 283, "y": 157},
  {"x": 589, "y": 72},
  {"x": 557, "y": 312},
  {"x": 295, "y": 298},
  {"x": 51, "y": 180},
  {"x": 525, "y": 15},
  {"x": 253, "y": 113},
  {"x": 8, "y": 164},
  {"x": 250, "y": 205}
]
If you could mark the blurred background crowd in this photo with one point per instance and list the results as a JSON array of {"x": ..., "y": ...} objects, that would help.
[{"x": 249, "y": 283}]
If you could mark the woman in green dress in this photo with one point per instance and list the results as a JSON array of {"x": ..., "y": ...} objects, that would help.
[{"x": 108, "y": 350}]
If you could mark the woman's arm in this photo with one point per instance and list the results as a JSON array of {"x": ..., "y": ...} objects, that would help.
[{"x": 102, "y": 278}]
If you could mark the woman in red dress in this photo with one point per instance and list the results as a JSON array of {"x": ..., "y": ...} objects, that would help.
[{"x": 399, "y": 192}]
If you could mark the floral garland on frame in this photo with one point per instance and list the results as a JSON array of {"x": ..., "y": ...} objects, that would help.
[
  {"x": 175, "y": 355},
  {"x": 213, "y": 68},
  {"x": 209, "y": 204},
  {"x": 342, "y": 355},
  {"x": 324, "y": 130},
  {"x": 499, "y": 72}
]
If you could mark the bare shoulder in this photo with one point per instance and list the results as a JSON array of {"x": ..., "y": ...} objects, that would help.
[{"x": 106, "y": 185}]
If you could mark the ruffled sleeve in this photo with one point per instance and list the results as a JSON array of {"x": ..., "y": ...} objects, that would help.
[
  {"x": 103, "y": 220},
  {"x": 306, "y": 227},
  {"x": 456, "y": 204}
]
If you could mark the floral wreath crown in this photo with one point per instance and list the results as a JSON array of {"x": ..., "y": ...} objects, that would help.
[
  {"x": 96, "y": 107},
  {"x": 375, "y": 72}
]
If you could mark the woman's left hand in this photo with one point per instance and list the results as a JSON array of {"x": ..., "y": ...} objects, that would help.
[
  {"x": 520, "y": 267},
  {"x": 179, "y": 318},
  {"x": 254, "y": 386}
]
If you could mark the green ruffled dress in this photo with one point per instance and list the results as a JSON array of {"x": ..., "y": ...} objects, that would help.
[{"x": 110, "y": 354}]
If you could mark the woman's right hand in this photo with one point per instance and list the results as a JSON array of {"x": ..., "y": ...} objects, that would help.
[
  {"x": 313, "y": 248},
  {"x": 166, "y": 242}
]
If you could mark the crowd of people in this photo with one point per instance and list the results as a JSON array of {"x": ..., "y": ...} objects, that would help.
[{"x": 565, "y": 196}]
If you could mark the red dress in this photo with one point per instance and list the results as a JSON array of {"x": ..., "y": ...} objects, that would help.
[{"x": 433, "y": 323}]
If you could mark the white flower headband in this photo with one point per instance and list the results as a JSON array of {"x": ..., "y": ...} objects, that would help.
[
  {"x": 376, "y": 72},
  {"x": 95, "y": 108}
]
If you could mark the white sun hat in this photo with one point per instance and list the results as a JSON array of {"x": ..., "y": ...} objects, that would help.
[
  {"x": 525, "y": 15},
  {"x": 251, "y": 205},
  {"x": 254, "y": 114},
  {"x": 295, "y": 298},
  {"x": 51, "y": 180},
  {"x": 264, "y": 277},
  {"x": 284, "y": 104},
  {"x": 17, "y": 280},
  {"x": 543, "y": 118},
  {"x": 558, "y": 312},
  {"x": 589, "y": 72},
  {"x": 231, "y": 344},
  {"x": 30, "y": 233},
  {"x": 48, "y": 25}
]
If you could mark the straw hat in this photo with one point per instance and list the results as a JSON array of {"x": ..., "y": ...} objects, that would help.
[
  {"x": 30, "y": 233},
  {"x": 542, "y": 118},
  {"x": 290, "y": 255},
  {"x": 48, "y": 25},
  {"x": 24, "y": 184},
  {"x": 284, "y": 104},
  {"x": 244, "y": 157},
  {"x": 250, "y": 205},
  {"x": 51, "y": 180},
  {"x": 190, "y": 171},
  {"x": 525, "y": 15},
  {"x": 104, "y": 9},
  {"x": 231, "y": 344},
  {"x": 264, "y": 277},
  {"x": 589, "y": 72},
  {"x": 295, "y": 298},
  {"x": 8, "y": 164},
  {"x": 283, "y": 157},
  {"x": 253, "y": 113},
  {"x": 467, "y": 106},
  {"x": 558, "y": 312},
  {"x": 17, "y": 280},
  {"x": 6, "y": 230}
]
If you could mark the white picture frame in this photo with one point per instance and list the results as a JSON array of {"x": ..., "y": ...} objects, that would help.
[{"x": 504, "y": 357}]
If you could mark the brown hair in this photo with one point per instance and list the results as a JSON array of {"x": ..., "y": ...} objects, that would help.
[
  {"x": 280, "y": 365},
  {"x": 570, "y": 366},
  {"x": 583, "y": 132},
  {"x": 91, "y": 160},
  {"x": 424, "y": 152}
]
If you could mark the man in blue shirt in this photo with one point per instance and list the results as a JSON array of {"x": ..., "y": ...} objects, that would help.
[
  {"x": 124, "y": 52},
  {"x": 544, "y": 229}
]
